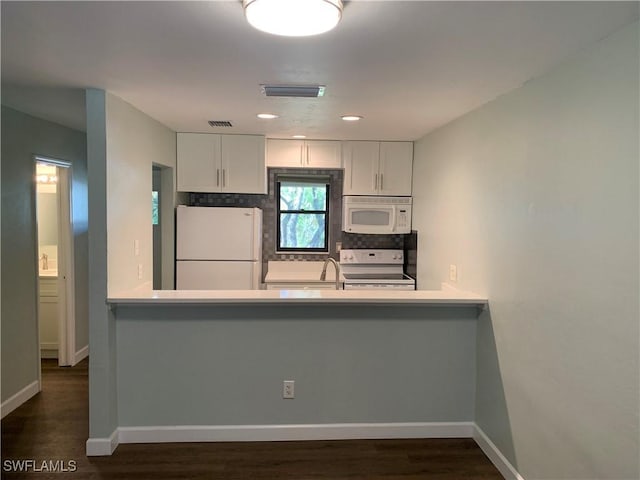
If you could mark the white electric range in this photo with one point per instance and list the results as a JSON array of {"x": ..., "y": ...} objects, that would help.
[{"x": 374, "y": 269}]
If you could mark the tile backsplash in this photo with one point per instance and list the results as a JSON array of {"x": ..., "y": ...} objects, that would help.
[{"x": 267, "y": 203}]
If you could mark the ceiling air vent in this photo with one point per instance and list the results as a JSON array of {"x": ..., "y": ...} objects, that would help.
[
  {"x": 293, "y": 90},
  {"x": 220, "y": 123}
]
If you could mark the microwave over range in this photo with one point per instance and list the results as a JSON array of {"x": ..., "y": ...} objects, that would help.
[{"x": 376, "y": 215}]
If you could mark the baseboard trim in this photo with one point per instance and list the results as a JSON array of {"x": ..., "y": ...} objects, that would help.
[
  {"x": 99, "y": 447},
  {"x": 81, "y": 354},
  {"x": 257, "y": 433},
  {"x": 503, "y": 465},
  {"x": 13, "y": 402}
]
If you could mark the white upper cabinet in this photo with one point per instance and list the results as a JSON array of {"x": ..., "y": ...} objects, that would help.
[
  {"x": 209, "y": 162},
  {"x": 323, "y": 154},
  {"x": 304, "y": 154},
  {"x": 378, "y": 168},
  {"x": 198, "y": 162},
  {"x": 243, "y": 164},
  {"x": 396, "y": 168},
  {"x": 361, "y": 160},
  {"x": 284, "y": 153}
]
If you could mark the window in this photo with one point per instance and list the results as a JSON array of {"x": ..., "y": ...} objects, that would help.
[
  {"x": 303, "y": 214},
  {"x": 154, "y": 208}
]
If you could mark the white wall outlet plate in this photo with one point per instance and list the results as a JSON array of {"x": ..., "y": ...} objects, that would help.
[
  {"x": 288, "y": 389},
  {"x": 453, "y": 273}
]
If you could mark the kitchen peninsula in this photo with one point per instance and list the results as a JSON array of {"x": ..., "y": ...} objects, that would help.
[{"x": 365, "y": 364}]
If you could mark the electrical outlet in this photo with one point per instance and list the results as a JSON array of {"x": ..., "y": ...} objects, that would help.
[
  {"x": 288, "y": 389},
  {"x": 453, "y": 273},
  {"x": 139, "y": 271}
]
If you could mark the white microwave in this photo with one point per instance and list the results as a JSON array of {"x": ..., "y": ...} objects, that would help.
[{"x": 376, "y": 215}]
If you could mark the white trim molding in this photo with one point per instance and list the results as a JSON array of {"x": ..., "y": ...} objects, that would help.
[
  {"x": 81, "y": 354},
  {"x": 256, "y": 433},
  {"x": 503, "y": 465},
  {"x": 100, "y": 447},
  {"x": 13, "y": 402}
]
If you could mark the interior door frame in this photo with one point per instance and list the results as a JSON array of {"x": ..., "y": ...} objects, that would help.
[{"x": 66, "y": 271}]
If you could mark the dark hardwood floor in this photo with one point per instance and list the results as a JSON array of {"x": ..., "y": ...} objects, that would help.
[{"x": 53, "y": 426}]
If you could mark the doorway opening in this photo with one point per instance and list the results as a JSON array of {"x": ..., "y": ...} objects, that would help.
[
  {"x": 54, "y": 231},
  {"x": 156, "y": 187},
  {"x": 163, "y": 221}
]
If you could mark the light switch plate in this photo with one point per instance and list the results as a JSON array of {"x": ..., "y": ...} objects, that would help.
[{"x": 453, "y": 273}]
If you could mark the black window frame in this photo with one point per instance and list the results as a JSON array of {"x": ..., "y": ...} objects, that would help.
[{"x": 325, "y": 212}]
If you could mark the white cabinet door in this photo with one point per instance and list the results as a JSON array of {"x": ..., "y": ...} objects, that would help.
[
  {"x": 361, "y": 160},
  {"x": 396, "y": 168},
  {"x": 304, "y": 154},
  {"x": 322, "y": 154},
  {"x": 285, "y": 153},
  {"x": 198, "y": 162},
  {"x": 48, "y": 317},
  {"x": 210, "y": 162},
  {"x": 243, "y": 164}
]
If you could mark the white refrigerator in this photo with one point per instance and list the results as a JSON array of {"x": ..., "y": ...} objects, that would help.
[{"x": 218, "y": 248}]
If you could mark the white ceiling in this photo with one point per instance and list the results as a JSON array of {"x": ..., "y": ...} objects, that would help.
[{"x": 407, "y": 67}]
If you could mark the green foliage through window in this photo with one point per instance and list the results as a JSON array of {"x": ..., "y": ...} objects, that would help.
[
  {"x": 303, "y": 216},
  {"x": 154, "y": 208}
]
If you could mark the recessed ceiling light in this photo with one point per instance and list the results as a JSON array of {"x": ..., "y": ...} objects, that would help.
[
  {"x": 299, "y": 136},
  {"x": 293, "y": 18},
  {"x": 267, "y": 116},
  {"x": 351, "y": 118}
]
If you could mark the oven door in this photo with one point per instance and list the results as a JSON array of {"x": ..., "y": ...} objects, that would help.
[{"x": 380, "y": 219}]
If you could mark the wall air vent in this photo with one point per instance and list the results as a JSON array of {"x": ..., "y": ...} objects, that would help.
[
  {"x": 220, "y": 123},
  {"x": 308, "y": 91}
]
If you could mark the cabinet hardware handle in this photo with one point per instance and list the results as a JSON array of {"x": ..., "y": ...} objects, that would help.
[
  {"x": 382, "y": 181},
  {"x": 218, "y": 177},
  {"x": 375, "y": 182},
  {"x": 301, "y": 155},
  {"x": 307, "y": 154},
  {"x": 224, "y": 177}
]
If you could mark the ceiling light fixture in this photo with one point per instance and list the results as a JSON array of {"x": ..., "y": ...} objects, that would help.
[
  {"x": 293, "y": 18},
  {"x": 351, "y": 118},
  {"x": 299, "y": 136},
  {"x": 267, "y": 116}
]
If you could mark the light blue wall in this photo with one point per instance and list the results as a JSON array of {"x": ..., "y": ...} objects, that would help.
[
  {"x": 24, "y": 136},
  {"x": 535, "y": 197},
  {"x": 122, "y": 145},
  {"x": 225, "y": 365}
]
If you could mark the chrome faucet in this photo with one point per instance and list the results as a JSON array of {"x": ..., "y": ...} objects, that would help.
[{"x": 323, "y": 275}]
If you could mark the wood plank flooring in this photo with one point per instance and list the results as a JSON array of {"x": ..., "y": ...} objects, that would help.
[{"x": 54, "y": 426}]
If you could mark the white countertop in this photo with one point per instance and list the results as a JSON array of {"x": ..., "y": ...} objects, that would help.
[{"x": 448, "y": 297}]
